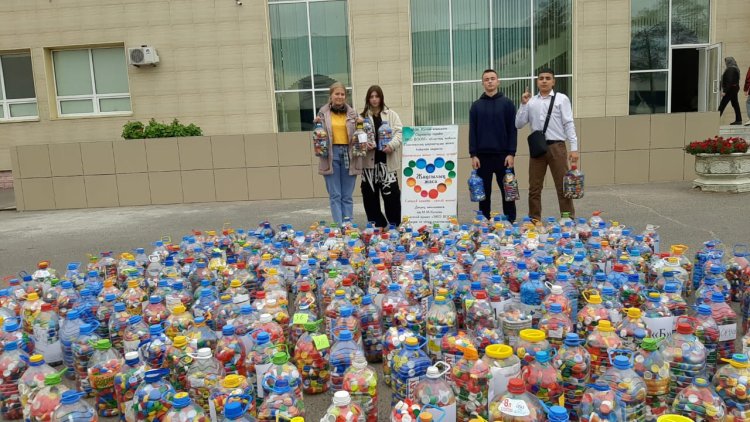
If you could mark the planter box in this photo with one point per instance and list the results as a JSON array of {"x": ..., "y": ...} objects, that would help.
[{"x": 722, "y": 173}]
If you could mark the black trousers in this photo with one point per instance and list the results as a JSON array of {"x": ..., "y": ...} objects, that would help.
[
  {"x": 391, "y": 195},
  {"x": 731, "y": 96},
  {"x": 490, "y": 164}
]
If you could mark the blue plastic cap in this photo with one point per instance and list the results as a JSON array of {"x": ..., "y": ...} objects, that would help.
[
  {"x": 10, "y": 325},
  {"x": 521, "y": 265},
  {"x": 154, "y": 300},
  {"x": 608, "y": 290},
  {"x": 345, "y": 335},
  {"x": 86, "y": 292},
  {"x": 555, "y": 308},
  {"x": 110, "y": 297},
  {"x": 562, "y": 276},
  {"x": 542, "y": 356},
  {"x": 547, "y": 260},
  {"x": 135, "y": 319},
  {"x": 140, "y": 250},
  {"x": 671, "y": 287},
  {"x": 119, "y": 307},
  {"x": 304, "y": 272},
  {"x": 600, "y": 276},
  {"x": 704, "y": 310},
  {"x": 70, "y": 397},
  {"x": 496, "y": 278},
  {"x": 476, "y": 285},
  {"x": 263, "y": 337},
  {"x": 11, "y": 346},
  {"x": 201, "y": 264},
  {"x": 182, "y": 402},
  {"x": 463, "y": 277},
  {"x": 562, "y": 268},
  {"x": 177, "y": 285},
  {"x": 534, "y": 275},
  {"x": 418, "y": 275},
  {"x": 199, "y": 319},
  {"x": 572, "y": 339},
  {"x": 619, "y": 362},
  {"x": 400, "y": 248},
  {"x": 717, "y": 297},
  {"x": 558, "y": 414},
  {"x": 227, "y": 330},
  {"x": 27, "y": 278},
  {"x": 232, "y": 260},
  {"x": 667, "y": 274},
  {"x": 205, "y": 292},
  {"x": 66, "y": 284},
  {"x": 633, "y": 277},
  {"x": 366, "y": 300},
  {"x": 377, "y": 259},
  {"x": 234, "y": 409},
  {"x": 86, "y": 329},
  {"x": 739, "y": 357},
  {"x": 600, "y": 386},
  {"x": 246, "y": 310},
  {"x": 72, "y": 266},
  {"x": 717, "y": 269},
  {"x": 155, "y": 329},
  {"x": 393, "y": 287},
  {"x": 154, "y": 375},
  {"x": 74, "y": 314},
  {"x": 163, "y": 283},
  {"x": 347, "y": 311}
]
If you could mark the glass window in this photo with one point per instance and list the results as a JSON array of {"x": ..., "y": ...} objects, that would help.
[
  {"x": 91, "y": 81},
  {"x": 649, "y": 44},
  {"x": 310, "y": 49},
  {"x": 454, "y": 41},
  {"x": 17, "y": 94},
  {"x": 690, "y": 21},
  {"x": 648, "y": 93}
]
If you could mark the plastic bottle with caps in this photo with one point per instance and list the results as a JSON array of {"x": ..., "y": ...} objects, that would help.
[
  {"x": 258, "y": 361},
  {"x": 103, "y": 366},
  {"x": 556, "y": 325},
  {"x": 154, "y": 350},
  {"x": 207, "y": 306},
  {"x": 72, "y": 408},
  {"x": 726, "y": 319},
  {"x": 83, "y": 350},
  {"x": 533, "y": 292},
  {"x": 598, "y": 344},
  {"x": 155, "y": 312},
  {"x": 558, "y": 295},
  {"x": 178, "y": 322},
  {"x": 573, "y": 362},
  {"x": 44, "y": 401},
  {"x": 153, "y": 399},
  {"x": 516, "y": 317},
  {"x": 408, "y": 367},
  {"x": 516, "y": 405},
  {"x": 232, "y": 388},
  {"x": 441, "y": 320},
  {"x": 361, "y": 382},
  {"x": 231, "y": 352},
  {"x": 281, "y": 404},
  {"x": 611, "y": 301},
  {"x": 649, "y": 363},
  {"x": 372, "y": 330},
  {"x": 267, "y": 324},
  {"x": 13, "y": 364},
  {"x": 542, "y": 379},
  {"x": 134, "y": 297},
  {"x": 599, "y": 403},
  {"x": 32, "y": 380},
  {"x": 470, "y": 378},
  {"x": 343, "y": 352},
  {"x": 476, "y": 187},
  {"x": 480, "y": 319},
  {"x": 686, "y": 356},
  {"x": 628, "y": 386},
  {"x": 632, "y": 329},
  {"x": 504, "y": 365},
  {"x": 347, "y": 320},
  {"x": 282, "y": 368},
  {"x": 731, "y": 384},
  {"x": 127, "y": 380},
  {"x": 184, "y": 410},
  {"x": 135, "y": 334},
  {"x": 434, "y": 390},
  {"x": 312, "y": 361},
  {"x": 178, "y": 362},
  {"x": 46, "y": 335},
  {"x": 531, "y": 342},
  {"x": 343, "y": 409},
  {"x": 104, "y": 313},
  {"x": 673, "y": 300},
  {"x": 204, "y": 374},
  {"x": 700, "y": 402},
  {"x": 510, "y": 186},
  {"x": 30, "y": 310},
  {"x": 118, "y": 323},
  {"x": 592, "y": 313}
]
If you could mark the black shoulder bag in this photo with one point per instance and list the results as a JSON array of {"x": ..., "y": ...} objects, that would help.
[{"x": 537, "y": 140}]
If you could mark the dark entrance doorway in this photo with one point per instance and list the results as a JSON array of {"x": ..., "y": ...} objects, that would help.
[{"x": 685, "y": 80}]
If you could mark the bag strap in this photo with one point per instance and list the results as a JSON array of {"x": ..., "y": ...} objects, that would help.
[{"x": 549, "y": 113}]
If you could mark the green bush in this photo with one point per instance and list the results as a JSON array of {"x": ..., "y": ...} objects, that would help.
[{"x": 154, "y": 129}]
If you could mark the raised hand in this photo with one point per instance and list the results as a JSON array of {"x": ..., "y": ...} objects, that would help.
[{"x": 526, "y": 95}]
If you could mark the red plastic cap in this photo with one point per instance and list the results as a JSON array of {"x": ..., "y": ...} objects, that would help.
[
  {"x": 481, "y": 294},
  {"x": 618, "y": 268},
  {"x": 304, "y": 286},
  {"x": 241, "y": 265},
  {"x": 434, "y": 250},
  {"x": 46, "y": 307},
  {"x": 260, "y": 294},
  {"x": 516, "y": 386},
  {"x": 347, "y": 281},
  {"x": 684, "y": 328},
  {"x": 384, "y": 236},
  {"x": 574, "y": 167},
  {"x": 43, "y": 265},
  {"x": 189, "y": 260}
]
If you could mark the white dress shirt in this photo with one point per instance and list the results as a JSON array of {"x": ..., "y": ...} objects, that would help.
[{"x": 561, "y": 126}]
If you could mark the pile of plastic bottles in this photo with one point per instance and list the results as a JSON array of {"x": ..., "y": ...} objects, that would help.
[{"x": 486, "y": 320}]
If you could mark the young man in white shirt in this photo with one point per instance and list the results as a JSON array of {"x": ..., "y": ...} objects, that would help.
[{"x": 561, "y": 128}]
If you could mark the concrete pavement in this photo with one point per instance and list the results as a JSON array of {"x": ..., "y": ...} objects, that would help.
[{"x": 685, "y": 216}]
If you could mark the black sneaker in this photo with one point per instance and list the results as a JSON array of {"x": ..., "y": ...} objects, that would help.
[{"x": 738, "y": 122}]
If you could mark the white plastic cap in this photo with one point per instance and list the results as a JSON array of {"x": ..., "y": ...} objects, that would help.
[
  {"x": 557, "y": 289},
  {"x": 271, "y": 302},
  {"x": 204, "y": 353},
  {"x": 131, "y": 356},
  {"x": 341, "y": 398},
  {"x": 266, "y": 318},
  {"x": 433, "y": 372}
]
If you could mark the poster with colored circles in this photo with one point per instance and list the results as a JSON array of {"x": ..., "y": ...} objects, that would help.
[{"x": 428, "y": 176}]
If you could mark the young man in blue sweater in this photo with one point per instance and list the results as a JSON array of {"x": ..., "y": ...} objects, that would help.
[{"x": 492, "y": 140}]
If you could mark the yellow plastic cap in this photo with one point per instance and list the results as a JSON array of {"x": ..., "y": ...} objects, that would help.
[
  {"x": 605, "y": 326},
  {"x": 235, "y": 283},
  {"x": 634, "y": 313},
  {"x": 498, "y": 351},
  {"x": 439, "y": 298},
  {"x": 266, "y": 257},
  {"x": 425, "y": 417},
  {"x": 36, "y": 358},
  {"x": 411, "y": 341},
  {"x": 673, "y": 418},
  {"x": 178, "y": 309},
  {"x": 32, "y": 296},
  {"x": 181, "y": 395},
  {"x": 272, "y": 271},
  {"x": 340, "y": 292},
  {"x": 595, "y": 299},
  {"x": 232, "y": 381},
  {"x": 442, "y": 292},
  {"x": 132, "y": 283},
  {"x": 532, "y": 335},
  {"x": 180, "y": 341}
]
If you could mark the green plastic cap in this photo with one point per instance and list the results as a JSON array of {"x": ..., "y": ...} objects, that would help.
[
  {"x": 54, "y": 378},
  {"x": 650, "y": 344},
  {"x": 103, "y": 344},
  {"x": 280, "y": 358}
]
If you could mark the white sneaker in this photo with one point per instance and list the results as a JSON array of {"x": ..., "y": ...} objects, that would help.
[{"x": 747, "y": 123}]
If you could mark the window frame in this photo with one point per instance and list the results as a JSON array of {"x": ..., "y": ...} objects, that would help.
[
  {"x": 312, "y": 90},
  {"x": 94, "y": 97},
  {"x": 5, "y": 116},
  {"x": 491, "y": 29}
]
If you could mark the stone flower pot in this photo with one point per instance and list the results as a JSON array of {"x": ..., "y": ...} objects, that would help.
[{"x": 723, "y": 172}]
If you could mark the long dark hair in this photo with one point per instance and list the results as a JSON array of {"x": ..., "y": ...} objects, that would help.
[{"x": 370, "y": 90}]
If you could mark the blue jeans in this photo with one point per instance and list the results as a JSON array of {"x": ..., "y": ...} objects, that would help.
[
  {"x": 747, "y": 106},
  {"x": 340, "y": 186}
]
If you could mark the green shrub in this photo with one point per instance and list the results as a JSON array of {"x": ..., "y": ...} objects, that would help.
[{"x": 154, "y": 129}]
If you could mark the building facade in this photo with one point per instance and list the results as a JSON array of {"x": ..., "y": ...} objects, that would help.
[{"x": 262, "y": 67}]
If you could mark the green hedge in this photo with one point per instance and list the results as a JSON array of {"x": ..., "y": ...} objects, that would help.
[{"x": 154, "y": 129}]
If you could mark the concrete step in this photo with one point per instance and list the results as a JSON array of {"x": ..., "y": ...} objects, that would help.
[{"x": 735, "y": 130}]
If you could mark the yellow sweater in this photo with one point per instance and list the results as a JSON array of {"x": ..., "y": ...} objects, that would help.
[{"x": 338, "y": 126}]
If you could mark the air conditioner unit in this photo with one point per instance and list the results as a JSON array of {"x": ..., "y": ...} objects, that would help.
[{"x": 143, "y": 55}]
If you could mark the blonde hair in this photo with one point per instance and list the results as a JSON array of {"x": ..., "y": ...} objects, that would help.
[{"x": 334, "y": 86}]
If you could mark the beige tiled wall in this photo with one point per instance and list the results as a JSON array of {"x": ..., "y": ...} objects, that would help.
[{"x": 625, "y": 149}]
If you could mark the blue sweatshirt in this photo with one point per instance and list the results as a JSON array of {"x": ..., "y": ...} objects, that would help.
[{"x": 492, "y": 126}]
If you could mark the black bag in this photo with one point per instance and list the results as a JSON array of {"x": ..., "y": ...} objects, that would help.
[{"x": 537, "y": 140}]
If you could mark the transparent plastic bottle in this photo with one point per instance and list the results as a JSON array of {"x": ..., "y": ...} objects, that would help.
[
  {"x": 320, "y": 140},
  {"x": 556, "y": 325},
  {"x": 599, "y": 403},
  {"x": 32, "y": 381},
  {"x": 126, "y": 382},
  {"x": 700, "y": 402},
  {"x": 153, "y": 398},
  {"x": 47, "y": 399},
  {"x": 385, "y": 134},
  {"x": 434, "y": 390},
  {"x": 361, "y": 382},
  {"x": 343, "y": 408},
  {"x": 543, "y": 380},
  {"x": 104, "y": 364},
  {"x": 184, "y": 410},
  {"x": 470, "y": 378},
  {"x": 476, "y": 187},
  {"x": 372, "y": 330},
  {"x": 731, "y": 383},
  {"x": 83, "y": 350},
  {"x": 573, "y": 362},
  {"x": 726, "y": 319},
  {"x": 510, "y": 186},
  {"x": 632, "y": 329},
  {"x": 231, "y": 352},
  {"x": 232, "y": 388},
  {"x": 46, "y": 335},
  {"x": 573, "y": 183},
  {"x": 359, "y": 141},
  {"x": 343, "y": 352},
  {"x": 649, "y": 364},
  {"x": 73, "y": 409},
  {"x": 516, "y": 405},
  {"x": 203, "y": 376},
  {"x": 686, "y": 356},
  {"x": 629, "y": 388},
  {"x": 598, "y": 345}
]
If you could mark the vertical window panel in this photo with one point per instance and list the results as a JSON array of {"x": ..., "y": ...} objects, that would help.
[
  {"x": 648, "y": 93},
  {"x": 690, "y": 20},
  {"x": 464, "y": 95},
  {"x": 431, "y": 32},
  {"x": 553, "y": 40},
  {"x": 72, "y": 72},
  {"x": 471, "y": 39},
  {"x": 110, "y": 70},
  {"x": 330, "y": 43},
  {"x": 432, "y": 104},
  {"x": 511, "y": 38},
  {"x": 649, "y": 44},
  {"x": 18, "y": 77},
  {"x": 290, "y": 46}
]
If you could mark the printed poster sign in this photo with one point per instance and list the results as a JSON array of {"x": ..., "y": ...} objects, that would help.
[{"x": 429, "y": 190}]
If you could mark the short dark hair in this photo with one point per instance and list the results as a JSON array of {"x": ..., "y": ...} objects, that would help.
[
  {"x": 489, "y": 71},
  {"x": 546, "y": 70}
]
